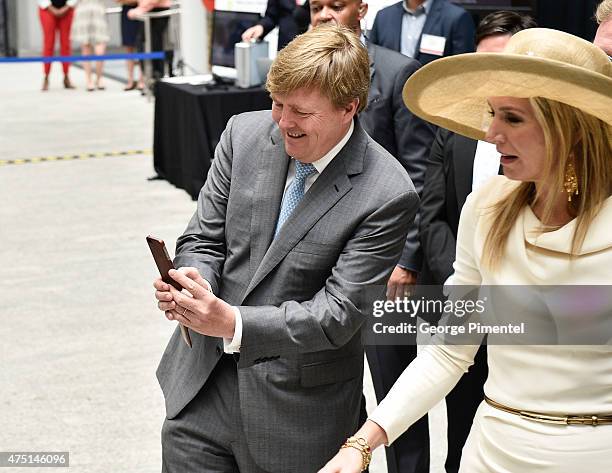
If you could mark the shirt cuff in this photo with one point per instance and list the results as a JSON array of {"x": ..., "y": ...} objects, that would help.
[{"x": 233, "y": 345}]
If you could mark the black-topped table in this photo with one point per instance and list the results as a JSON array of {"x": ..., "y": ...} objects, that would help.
[{"x": 189, "y": 121}]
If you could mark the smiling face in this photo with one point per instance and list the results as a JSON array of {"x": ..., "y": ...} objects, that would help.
[
  {"x": 347, "y": 13},
  {"x": 311, "y": 125},
  {"x": 519, "y": 138}
]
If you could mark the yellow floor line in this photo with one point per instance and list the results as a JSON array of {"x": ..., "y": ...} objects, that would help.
[{"x": 72, "y": 157}]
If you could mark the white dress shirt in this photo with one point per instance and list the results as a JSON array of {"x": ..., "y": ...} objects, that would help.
[
  {"x": 413, "y": 22},
  {"x": 486, "y": 163}
]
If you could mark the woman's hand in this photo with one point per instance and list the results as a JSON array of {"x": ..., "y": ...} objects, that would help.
[
  {"x": 347, "y": 460},
  {"x": 350, "y": 459}
]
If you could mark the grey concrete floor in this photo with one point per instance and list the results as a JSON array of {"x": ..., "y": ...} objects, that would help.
[{"x": 80, "y": 333}]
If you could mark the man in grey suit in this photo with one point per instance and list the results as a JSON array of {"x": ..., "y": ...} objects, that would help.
[
  {"x": 389, "y": 122},
  {"x": 301, "y": 217}
]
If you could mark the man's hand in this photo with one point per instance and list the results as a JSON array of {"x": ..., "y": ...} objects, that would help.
[
  {"x": 196, "y": 307},
  {"x": 252, "y": 33},
  {"x": 400, "y": 282}
]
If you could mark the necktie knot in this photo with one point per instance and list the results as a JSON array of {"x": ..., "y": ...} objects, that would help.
[
  {"x": 303, "y": 170},
  {"x": 295, "y": 192}
]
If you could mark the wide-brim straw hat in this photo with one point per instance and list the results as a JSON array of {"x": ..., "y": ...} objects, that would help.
[{"x": 452, "y": 92}]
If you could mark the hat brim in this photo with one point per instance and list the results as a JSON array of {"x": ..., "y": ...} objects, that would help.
[{"x": 452, "y": 92}]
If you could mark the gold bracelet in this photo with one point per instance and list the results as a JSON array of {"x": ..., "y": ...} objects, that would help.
[{"x": 361, "y": 444}]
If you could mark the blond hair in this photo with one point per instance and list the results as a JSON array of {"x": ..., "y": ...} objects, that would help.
[
  {"x": 604, "y": 11},
  {"x": 329, "y": 58},
  {"x": 571, "y": 136}
]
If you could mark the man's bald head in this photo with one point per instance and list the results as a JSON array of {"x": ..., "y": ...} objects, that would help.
[{"x": 347, "y": 13}]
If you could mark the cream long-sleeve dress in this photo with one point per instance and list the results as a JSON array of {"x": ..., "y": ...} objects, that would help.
[{"x": 549, "y": 379}]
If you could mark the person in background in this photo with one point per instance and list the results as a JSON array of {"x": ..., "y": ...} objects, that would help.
[
  {"x": 129, "y": 33},
  {"x": 545, "y": 222},
  {"x": 158, "y": 30},
  {"x": 286, "y": 14},
  {"x": 298, "y": 227},
  {"x": 90, "y": 30},
  {"x": 457, "y": 166},
  {"x": 387, "y": 120},
  {"x": 603, "y": 37},
  {"x": 424, "y": 29},
  {"x": 56, "y": 15}
]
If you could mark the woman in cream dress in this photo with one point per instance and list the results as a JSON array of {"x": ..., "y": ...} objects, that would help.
[{"x": 545, "y": 222}]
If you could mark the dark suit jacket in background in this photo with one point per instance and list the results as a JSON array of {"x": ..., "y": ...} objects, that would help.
[
  {"x": 448, "y": 182},
  {"x": 387, "y": 119},
  {"x": 303, "y": 295},
  {"x": 281, "y": 13},
  {"x": 444, "y": 19}
]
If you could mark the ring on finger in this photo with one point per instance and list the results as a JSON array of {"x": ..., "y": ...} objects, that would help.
[{"x": 184, "y": 312}]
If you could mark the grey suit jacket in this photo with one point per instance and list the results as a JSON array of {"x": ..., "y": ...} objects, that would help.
[
  {"x": 303, "y": 296},
  {"x": 397, "y": 129}
]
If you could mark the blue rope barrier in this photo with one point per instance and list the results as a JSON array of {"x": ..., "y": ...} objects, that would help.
[{"x": 107, "y": 57}]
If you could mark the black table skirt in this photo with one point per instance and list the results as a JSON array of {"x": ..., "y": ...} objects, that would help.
[{"x": 189, "y": 121}]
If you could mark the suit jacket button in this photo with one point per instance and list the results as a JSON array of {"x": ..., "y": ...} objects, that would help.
[{"x": 219, "y": 351}]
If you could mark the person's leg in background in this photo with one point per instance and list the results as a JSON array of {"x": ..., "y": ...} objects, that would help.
[
  {"x": 99, "y": 49},
  {"x": 461, "y": 405},
  {"x": 410, "y": 452},
  {"x": 158, "y": 31},
  {"x": 86, "y": 50},
  {"x": 65, "y": 24},
  {"x": 48, "y": 23},
  {"x": 130, "y": 69}
]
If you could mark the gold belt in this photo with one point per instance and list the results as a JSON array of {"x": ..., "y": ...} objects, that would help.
[{"x": 587, "y": 419}]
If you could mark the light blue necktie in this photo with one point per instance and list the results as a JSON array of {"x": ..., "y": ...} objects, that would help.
[{"x": 294, "y": 193}]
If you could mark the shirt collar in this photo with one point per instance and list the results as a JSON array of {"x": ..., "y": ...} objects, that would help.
[
  {"x": 426, "y": 6},
  {"x": 321, "y": 164}
]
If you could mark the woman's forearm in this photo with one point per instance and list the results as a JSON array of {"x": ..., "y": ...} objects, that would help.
[{"x": 373, "y": 433}]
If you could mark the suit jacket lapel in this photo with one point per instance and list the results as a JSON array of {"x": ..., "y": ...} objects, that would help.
[
  {"x": 271, "y": 166},
  {"x": 464, "y": 150},
  {"x": 372, "y": 56},
  {"x": 326, "y": 191},
  {"x": 397, "y": 26},
  {"x": 433, "y": 18}
]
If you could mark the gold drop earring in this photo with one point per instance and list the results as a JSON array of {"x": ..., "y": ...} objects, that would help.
[{"x": 571, "y": 182}]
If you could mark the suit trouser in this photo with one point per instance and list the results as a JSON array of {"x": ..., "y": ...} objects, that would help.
[
  {"x": 410, "y": 452},
  {"x": 207, "y": 436}
]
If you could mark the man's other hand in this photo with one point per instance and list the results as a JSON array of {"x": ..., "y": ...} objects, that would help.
[{"x": 400, "y": 283}]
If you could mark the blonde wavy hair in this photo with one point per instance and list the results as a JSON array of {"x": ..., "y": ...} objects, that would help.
[
  {"x": 571, "y": 136},
  {"x": 329, "y": 58}
]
